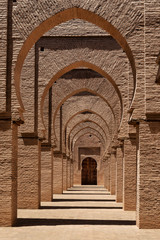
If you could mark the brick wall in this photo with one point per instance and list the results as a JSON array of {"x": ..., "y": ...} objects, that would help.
[
  {"x": 8, "y": 173},
  {"x": 148, "y": 185},
  {"x": 57, "y": 173},
  {"x": 119, "y": 168},
  {"x": 29, "y": 160},
  {"x": 129, "y": 175},
  {"x": 65, "y": 173},
  {"x": 113, "y": 173},
  {"x": 46, "y": 174}
]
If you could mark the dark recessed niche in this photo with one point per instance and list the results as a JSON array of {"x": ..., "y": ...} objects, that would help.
[
  {"x": 86, "y": 112},
  {"x": 14, "y": 0},
  {"x": 84, "y": 93},
  {"x": 90, "y": 135},
  {"x": 81, "y": 73},
  {"x": 42, "y": 49}
]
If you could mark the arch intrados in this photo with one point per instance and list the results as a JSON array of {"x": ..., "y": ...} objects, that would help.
[
  {"x": 78, "y": 91},
  {"x": 88, "y": 132},
  {"x": 83, "y": 134},
  {"x": 85, "y": 110},
  {"x": 72, "y": 66},
  {"x": 83, "y": 121},
  {"x": 60, "y": 17},
  {"x": 85, "y": 128}
]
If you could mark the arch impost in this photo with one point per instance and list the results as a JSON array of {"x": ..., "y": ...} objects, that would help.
[
  {"x": 64, "y": 155},
  {"x": 57, "y": 154}
]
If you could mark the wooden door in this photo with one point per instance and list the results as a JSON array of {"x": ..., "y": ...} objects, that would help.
[{"x": 89, "y": 172}]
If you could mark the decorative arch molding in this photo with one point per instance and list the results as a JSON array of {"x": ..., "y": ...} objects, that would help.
[
  {"x": 85, "y": 110},
  {"x": 88, "y": 128},
  {"x": 63, "y": 16},
  {"x": 78, "y": 91},
  {"x": 71, "y": 67},
  {"x": 84, "y": 121}
]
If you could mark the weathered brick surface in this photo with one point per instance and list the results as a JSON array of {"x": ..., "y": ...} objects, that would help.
[
  {"x": 3, "y": 53},
  {"x": 113, "y": 173},
  {"x": 148, "y": 185},
  {"x": 152, "y": 36},
  {"x": 119, "y": 178},
  {"x": 69, "y": 172},
  {"x": 65, "y": 174},
  {"x": 107, "y": 174},
  {"x": 80, "y": 39},
  {"x": 8, "y": 173},
  {"x": 46, "y": 174},
  {"x": 72, "y": 173},
  {"x": 57, "y": 173},
  {"x": 129, "y": 175},
  {"x": 29, "y": 160}
]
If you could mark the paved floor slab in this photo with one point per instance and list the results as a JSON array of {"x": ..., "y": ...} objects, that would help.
[{"x": 81, "y": 213}]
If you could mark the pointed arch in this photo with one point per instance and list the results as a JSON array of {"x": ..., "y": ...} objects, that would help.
[{"x": 63, "y": 16}]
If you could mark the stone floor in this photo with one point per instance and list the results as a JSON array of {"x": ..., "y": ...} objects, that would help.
[{"x": 81, "y": 213}]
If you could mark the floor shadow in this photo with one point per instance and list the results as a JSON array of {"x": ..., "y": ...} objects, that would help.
[
  {"x": 82, "y": 200},
  {"x": 77, "y": 207},
  {"x": 53, "y": 222}
]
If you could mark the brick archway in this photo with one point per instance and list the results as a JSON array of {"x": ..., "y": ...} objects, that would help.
[{"x": 63, "y": 16}]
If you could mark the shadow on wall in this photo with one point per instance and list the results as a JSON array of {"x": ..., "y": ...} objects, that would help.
[{"x": 60, "y": 43}]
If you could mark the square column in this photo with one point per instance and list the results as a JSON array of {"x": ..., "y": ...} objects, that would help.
[
  {"x": 57, "y": 173},
  {"x": 113, "y": 173},
  {"x": 8, "y": 173},
  {"x": 119, "y": 178},
  {"x": 148, "y": 175},
  {"x": 29, "y": 167},
  {"x": 105, "y": 173},
  {"x": 72, "y": 173},
  {"x": 64, "y": 172},
  {"x": 129, "y": 174},
  {"x": 108, "y": 180},
  {"x": 46, "y": 173},
  {"x": 69, "y": 172}
]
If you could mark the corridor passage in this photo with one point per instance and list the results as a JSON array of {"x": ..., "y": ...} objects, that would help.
[{"x": 81, "y": 213}]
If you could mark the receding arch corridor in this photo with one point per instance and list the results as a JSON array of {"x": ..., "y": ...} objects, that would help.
[{"x": 81, "y": 212}]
